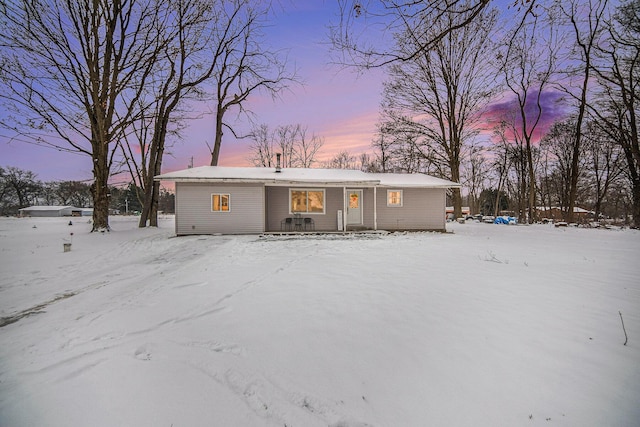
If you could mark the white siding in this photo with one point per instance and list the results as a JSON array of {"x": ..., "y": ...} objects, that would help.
[{"x": 194, "y": 215}]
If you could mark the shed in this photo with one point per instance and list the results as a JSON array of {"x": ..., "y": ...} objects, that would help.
[
  {"x": 237, "y": 200},
  {"x": 50, "y": 211}
]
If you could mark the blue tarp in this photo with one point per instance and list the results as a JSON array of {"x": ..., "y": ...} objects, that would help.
[{"x": 505, "y": 220}]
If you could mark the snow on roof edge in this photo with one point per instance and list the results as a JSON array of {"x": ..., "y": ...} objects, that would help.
[
  {"x": 304, "y": 175},
  {"x": 47, "y": 208}
]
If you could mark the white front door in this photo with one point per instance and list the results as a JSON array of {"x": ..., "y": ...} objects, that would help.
[{"x": 354, "y": 207}]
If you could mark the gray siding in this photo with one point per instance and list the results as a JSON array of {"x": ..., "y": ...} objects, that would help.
[
  {"x": 422, "y": 209},
  {"x": 278, "y": 208},
  {"x": 194, "y": 215},
  {"x": 255, "y": 209}
]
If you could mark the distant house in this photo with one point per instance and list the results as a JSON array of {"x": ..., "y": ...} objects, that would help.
[
  {"x": 449, "y": 211},
  {"x": 557, "y": 214},
  {"x": 50, "y": 211},
  {"x": 230, "y": 200}
]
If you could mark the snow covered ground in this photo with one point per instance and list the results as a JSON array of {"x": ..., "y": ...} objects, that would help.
[{"x": 486, "y": 325}]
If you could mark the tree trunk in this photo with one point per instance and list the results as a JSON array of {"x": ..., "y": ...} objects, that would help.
[
  {"x": 531, "y": 205},
  {"x": 456, "y": 196},
  {"x": 100, "y": 192},
  {"x": 497, "y": 202},
  {"x": 152, "y": 189},
  {"x": 153, "y": 219},
  {"x": 636, "y": 204},
  {"x": 573, "y": 190},
  {"x": 215, "y": 154}
]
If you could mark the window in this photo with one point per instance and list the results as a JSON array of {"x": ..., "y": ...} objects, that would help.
[
  {"x": 306, "y": 201},
  {"x": 394, "y": 198},
  {"x": 220, "y": 202}
]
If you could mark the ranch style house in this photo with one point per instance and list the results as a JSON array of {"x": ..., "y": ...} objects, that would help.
[{"x": 253, "y": 200}]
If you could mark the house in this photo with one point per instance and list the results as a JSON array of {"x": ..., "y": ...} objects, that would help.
[
  {"x": 50, "y": 211},
  {"x": 449, "y": 212},
  {"x": 556, "y": 213},
  {"x": 235, "y": 200}
]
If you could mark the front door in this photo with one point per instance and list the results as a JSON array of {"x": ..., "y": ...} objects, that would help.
[{"x": 354, "y": 207}]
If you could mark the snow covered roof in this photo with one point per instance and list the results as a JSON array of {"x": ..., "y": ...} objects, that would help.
[
  {"x": 576, "y": 209},
  {"x": 288, "y": 176},
  {"x": 412, "y": 180},
  {"x": 47, "y": 208}
]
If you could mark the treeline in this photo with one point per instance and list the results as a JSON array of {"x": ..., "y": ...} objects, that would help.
[
  {"x": 473, "y": 92},
  {"x": 20, "y": 189},
  {"x": 118, "y": 81}
]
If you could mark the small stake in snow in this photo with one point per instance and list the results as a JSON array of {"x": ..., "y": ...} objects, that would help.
[
  {"x": 623, "y": 329},
  {"x": 66, "y": 245}
]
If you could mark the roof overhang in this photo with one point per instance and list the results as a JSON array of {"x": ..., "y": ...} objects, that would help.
[{"x": 303, "y": 178}]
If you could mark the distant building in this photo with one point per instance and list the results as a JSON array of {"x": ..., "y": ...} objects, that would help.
[
  {"x": 556, "y": 213},
  {"x": 51, "y": 211},
  {"x": 449, "y": 212}
]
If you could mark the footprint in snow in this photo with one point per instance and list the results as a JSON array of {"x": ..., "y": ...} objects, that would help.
[{"x": 142, "y": 353}]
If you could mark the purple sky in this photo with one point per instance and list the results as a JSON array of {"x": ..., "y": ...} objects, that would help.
[{"x": 335, "y": 104}]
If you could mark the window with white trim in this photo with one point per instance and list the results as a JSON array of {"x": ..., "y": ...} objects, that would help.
[
  {"x": 306, "y": 201},
  {"x": 220, "y": 202},
  {"x": 394, "y": 198}
]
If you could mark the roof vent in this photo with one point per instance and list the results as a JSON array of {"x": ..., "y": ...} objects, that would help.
[{"x": 278, "y": 170}]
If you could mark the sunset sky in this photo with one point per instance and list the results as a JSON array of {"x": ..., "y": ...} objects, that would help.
[{"x": 333, "y": 103}]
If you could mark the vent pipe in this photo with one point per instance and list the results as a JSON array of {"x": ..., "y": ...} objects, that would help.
[{"x": 278, "y": 170}]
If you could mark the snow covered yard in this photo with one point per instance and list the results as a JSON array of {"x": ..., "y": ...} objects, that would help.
[{"x": 485, "y": 326}]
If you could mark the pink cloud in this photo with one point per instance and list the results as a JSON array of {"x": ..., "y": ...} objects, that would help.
[{"x": 551, "y": 103}]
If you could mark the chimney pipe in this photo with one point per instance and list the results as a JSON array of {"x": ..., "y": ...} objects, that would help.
[{"x": 278, "y": 170}]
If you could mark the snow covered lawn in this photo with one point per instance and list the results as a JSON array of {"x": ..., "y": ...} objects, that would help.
[{"x": 487, "y": 325}]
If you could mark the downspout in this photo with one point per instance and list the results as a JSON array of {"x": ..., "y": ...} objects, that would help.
[
  {"x": 175, "y": 208},
  {"x": 344, "y": 210},
  {"x": 375, "y": 208}
]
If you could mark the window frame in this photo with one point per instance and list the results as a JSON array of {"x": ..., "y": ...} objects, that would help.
[
  {"x": 228, "y": 196},
  {"x": 395, "y": 205},
  {"x": 307, "y": 190}
]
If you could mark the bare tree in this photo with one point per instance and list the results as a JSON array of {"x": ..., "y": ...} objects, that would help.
[
  {"x": 605, "y": 160},
  {"x": 401, "y": 148},
  {"x": 558, "y": 149},
  {"x": 619, "y": 78},
  {"x": 19, "y": 188},
  {"x": 292, "y": 142},
  {"x": 527, "y": 62},
  {"x": 501, "y": 163},
  {"x": 342, "y": 160},
  {"x": 285, "y": 140},
  {"x": 243, "y": 65},
  {"x": 73, "y": 193},
  {"x": 474, "y": 173},
  {"x": 262, "y": 149},
  {"x": 357, "y": 34},
  {"x": 587, "y": 19},
  {"x": 71, "y": 73},
  {"x": 382, "y": 152},
  {"x": 369, "y": 163},
  {"x": 307, "y": 148},
  {"x": 439, "y": 94},
  {"x": 184, "y": 64}
]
